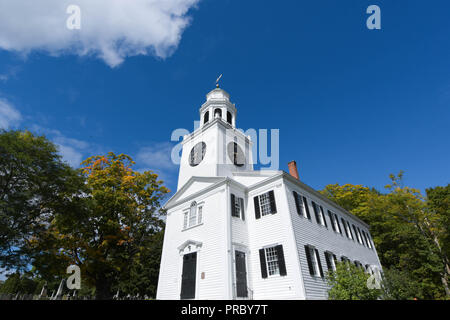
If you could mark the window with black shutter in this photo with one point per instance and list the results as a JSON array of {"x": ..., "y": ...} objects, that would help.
[
  {"x": 314, "y": 264},
  {"x": 338, "y": 224},
  {"x": 237, "y": 207},
  {"x": 297, "y": 203},
  {"x": 316, "y": 212},
  {"x": 272, "y": 261},
  {"x": 265, "y": 204},
  {"x": 320, "y": 216},
  {"x": 323, "y": 217},
  {"x": 305, "y": 202},
  {"x": 330, "y": 215},
  {"x": 309, "y": 260},
  {"x": 350, "y": 231},
  {"x": 345, "y": 227}
]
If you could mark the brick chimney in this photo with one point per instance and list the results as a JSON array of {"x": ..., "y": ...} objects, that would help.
[{"x": 293, "y": 169}]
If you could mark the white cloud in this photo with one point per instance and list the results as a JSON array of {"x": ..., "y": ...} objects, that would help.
[
  {"x": 71, "y": 150},
  {"x": 9, "y": 115},
  {"x": 157, "y": 158},
  {"x": 110, "y": 29}
]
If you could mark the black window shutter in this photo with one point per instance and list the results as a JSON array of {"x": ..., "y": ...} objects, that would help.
[
  {"x": 323, "y": 216},
  {"x": 335, "y": 259},
  {"x": 327, "y": 259},
  {"x": 356, "y": 232},
  {"x": 316, "y": 213},
  {"x": 345, "y": 228},
  {"x": 308, "y": 258},
  {"x": 320, "y": 264},
  {"x": 281, "y": 262},
  {"x": 273, "y": 206},
  {"x": 338, "y": 224},
  {"x": 257, "y": 211},
  {"x": 242, "y": 208},
  {"x": 297, "y": 204},
  {"x": 350, "y": 229},
  {"x": 331, "y": 219},
  {"x": 262, "y": 260},
  {"x": 233, "y": 206},
  {"x": 305, "y": 203}
]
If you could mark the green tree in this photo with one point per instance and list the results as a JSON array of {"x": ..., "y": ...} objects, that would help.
[
  {"x": 403, "y": 230},
  {"x": 349, "y": 282},
  {"x": 17, "y": 283},
  {"x": 33, "y": 179},
  {"x": 109, "y": 227},
  {"x": 143, "y": 276},
  {"x": 398, "y": 285}
]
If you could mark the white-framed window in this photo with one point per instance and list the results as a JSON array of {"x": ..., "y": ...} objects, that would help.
[
  {"x": 358, "y": 234},
  {"x": 331, "y": 260},
  {"x": 300, "y": 203},
  {"x": 264, "y": 204},
  {"x": 193, "y": 216},
  {"x": 349, "y": 231},
  {"x": 313, "y": 259},
  {"x": 272, "y": 261},
  {"x": 320, "y": 216},
  {"x": 334, "y": 221},
  {"x": 237, "y": 207}
]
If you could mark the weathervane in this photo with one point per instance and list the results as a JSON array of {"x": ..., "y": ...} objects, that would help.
[{"x": 217, "y": 81}]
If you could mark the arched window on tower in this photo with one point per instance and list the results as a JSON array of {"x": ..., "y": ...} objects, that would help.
[
  {"x": 206, "y": 117},
  {"x": 229, "y": 117},
  {"x": 218, "y": 113}
]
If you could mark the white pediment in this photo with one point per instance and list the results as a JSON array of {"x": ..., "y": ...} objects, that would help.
[
  {"x": 189, "y": 246},
  {"x": 194, "y": 186}
]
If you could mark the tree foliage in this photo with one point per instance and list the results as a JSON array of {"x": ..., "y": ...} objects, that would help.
[
  {"x": 349, "y": 282},
  {"x": 33, "y": 181},
  {"x": 408, "y": 230},
  {"x": 110, "y": 225}
]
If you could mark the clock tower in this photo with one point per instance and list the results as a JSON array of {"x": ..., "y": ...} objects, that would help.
[{"x": 216, "y": 148}]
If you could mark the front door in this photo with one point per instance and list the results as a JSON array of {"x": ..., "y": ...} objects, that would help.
[
  {"x": 241, "y": 275},
  {"x": 188, "y": 276}
]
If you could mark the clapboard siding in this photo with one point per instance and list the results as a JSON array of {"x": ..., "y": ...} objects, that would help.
[
  {"x": 212, "y": 234},
  {"x": 309, "y": 232},
  {"x": 273, "y": 229}
]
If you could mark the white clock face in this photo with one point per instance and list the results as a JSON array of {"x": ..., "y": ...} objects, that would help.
[
  {"x": 236, "y": 154},
  {"x": 197, "y": 154}
]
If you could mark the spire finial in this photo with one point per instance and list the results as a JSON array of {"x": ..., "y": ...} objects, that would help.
[{"x": 217, "y": 80}]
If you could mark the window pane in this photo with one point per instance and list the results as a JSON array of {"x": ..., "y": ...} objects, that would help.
[
  {"x": 272, "y": 261},
  {"x": 264, "y": 203},
  {"x": 200, "y": 212}
]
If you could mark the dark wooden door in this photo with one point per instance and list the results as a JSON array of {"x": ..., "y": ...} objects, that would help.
[
  {"x": 188, "y": 276},
  {"x": 241, "y": 275}
]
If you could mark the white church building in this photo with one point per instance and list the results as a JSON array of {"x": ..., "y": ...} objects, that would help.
[{"x": 236, "y": 233}]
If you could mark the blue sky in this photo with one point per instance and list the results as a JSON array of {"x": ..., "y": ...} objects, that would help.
[{"x": 353, "y": 105}]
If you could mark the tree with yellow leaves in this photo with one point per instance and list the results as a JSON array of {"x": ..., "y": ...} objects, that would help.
[{"x": 107, "y": 230}]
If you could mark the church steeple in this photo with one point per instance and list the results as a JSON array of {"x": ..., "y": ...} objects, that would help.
[{"x": 218, "y": 105}]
